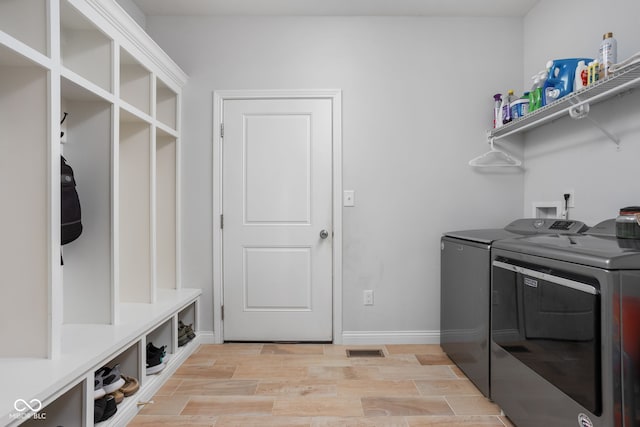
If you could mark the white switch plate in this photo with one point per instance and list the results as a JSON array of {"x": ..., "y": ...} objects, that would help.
[
  {"x": 368, "y": 297},
  {"x": 349, "y": 198}
]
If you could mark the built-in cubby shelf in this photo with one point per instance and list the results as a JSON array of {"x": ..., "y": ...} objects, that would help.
[
  {"x": 166, "y": 104},
  {"x": 134, "y": 233},
  {"x": 166, "y": 213},
  {"x": 67, "y": 409},
  {"x": 95, "y": 301},
  {"x": 135, "y": 83},
  {"x": 24, "y": 163},
  {"x": 84, "y": 48},
  {"x": 26, "y": 21},
  {"x": 87, "y": 269}
]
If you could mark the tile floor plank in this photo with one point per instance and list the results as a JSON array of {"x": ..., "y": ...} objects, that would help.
[
  {"x": 396, "y": 406},
  {"x": 236, "y": 405},
  {"x": 203, "y": 387},
  {"x": 318, "y": 406}
]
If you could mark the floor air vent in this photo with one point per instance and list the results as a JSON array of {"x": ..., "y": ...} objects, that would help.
[{"x": 365, "y": 353}]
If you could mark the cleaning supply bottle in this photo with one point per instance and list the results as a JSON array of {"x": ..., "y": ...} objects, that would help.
[
  {"x": 561, "y": 80},
  {"x": 535, "y": 94},
  {"x": 593, "y": 72},
  {"x": 607, "y": 54},
  {"x": 506, "y": 107},
  {"x": 581, "y": 76},
  {"x": 497, "y": 110}
]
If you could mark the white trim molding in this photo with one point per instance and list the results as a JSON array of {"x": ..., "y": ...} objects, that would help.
[
  {"x": 335, "y": 95},
  {"x": 208, "y": 337},
  {"x": 390, "y": 337}
]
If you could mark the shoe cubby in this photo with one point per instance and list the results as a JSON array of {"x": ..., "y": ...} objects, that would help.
[
  {"x": 134, "y": 234},
  {"x": 166, "y": 212},
  {"x": 85, "y": 49},
  {"x": 65, "y": 410},
  {"x": 135, "y": 83},
  {"x": 97, "y": 300},
  {"x": 189, "y": 315},
  {"x": 24, "y": 165},
  {"x": 127, "y": 364},
  {"x": 26, "y": 21},
  {"x": 88, "y": 143},
  {"x": 163, "y": 336},
  {"x": 166, "y": 105},
  {"x": 129, "y": 361}
]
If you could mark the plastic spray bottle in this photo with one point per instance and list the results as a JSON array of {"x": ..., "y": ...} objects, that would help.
[
  {"x": 497, "y": 110},
  {"x": 535, "y": 94},
  {"x": 506, "y": 107}
]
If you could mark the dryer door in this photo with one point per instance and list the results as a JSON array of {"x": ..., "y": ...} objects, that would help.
[{"x": 550, "y": 321}]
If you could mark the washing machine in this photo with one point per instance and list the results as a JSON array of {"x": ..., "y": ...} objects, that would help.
[
  {"x": 565, "y": 329},
  {"x": 465, "y": 280}
]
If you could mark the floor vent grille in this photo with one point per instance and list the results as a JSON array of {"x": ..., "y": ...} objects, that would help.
[{"x": 365, "y": 353}]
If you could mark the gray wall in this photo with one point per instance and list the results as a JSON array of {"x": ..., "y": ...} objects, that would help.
[
  {"x": 417, "y": 99},
  {"x": 572, "y": 154}
]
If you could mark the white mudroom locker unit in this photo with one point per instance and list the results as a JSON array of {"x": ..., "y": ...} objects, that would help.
[{"x": 67, "y": 311}]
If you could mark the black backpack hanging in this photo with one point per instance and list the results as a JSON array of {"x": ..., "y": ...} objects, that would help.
[{"x": 69, "y": 204}]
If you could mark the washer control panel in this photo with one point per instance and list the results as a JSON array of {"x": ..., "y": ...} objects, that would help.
[{"x": 546, "y": 226}]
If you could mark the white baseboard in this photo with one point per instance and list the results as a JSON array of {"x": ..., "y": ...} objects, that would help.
[
  {"x": 359, "y": 337},
  {"x": 208, "y": 337},
  {"x": 390, "y": 337}
]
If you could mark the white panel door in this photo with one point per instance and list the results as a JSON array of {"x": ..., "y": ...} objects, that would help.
[{"x": 277, "y": 226}]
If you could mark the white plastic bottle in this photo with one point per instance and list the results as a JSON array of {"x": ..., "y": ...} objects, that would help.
[
  {"x": 608, "y": 53},
  {"x": 581, "y": 79}
]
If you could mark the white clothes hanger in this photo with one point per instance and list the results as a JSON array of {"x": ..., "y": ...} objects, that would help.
[{"x": 494, "y": 158}]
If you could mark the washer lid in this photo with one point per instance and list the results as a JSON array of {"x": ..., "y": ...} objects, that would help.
[
  {"x": 486, "y": 236},
  {"x": 595, "y": 251}
]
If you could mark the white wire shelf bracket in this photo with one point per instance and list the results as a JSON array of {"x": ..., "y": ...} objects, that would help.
[{"x": 576, "y": 104}]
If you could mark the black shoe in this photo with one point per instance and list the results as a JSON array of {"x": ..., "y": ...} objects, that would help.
[
  {"x": 110, "y": 407},
  {"x": 152, "y": 351},
  {"x": 104, "y": 408},
  {"x": 154, "y": 359},
  {"x": 98, "y": 408}
]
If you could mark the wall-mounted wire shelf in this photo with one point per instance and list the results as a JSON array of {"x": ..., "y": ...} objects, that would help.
[{"x": 576, "y": 104}]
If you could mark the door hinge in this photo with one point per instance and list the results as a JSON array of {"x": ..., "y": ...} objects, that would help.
[
  {"x": 221, "y": 221},
  {"x": 221, "y": 130},
  {"x": 222, "y": 311}
]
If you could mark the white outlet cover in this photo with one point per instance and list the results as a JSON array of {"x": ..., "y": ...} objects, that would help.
[{"x": 349, "y": 198}]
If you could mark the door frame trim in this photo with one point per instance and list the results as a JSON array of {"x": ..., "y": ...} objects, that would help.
[{"x": 335, "y": 95}]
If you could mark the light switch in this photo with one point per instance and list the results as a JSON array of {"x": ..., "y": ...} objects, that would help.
[{"x": 349, "y": 198}]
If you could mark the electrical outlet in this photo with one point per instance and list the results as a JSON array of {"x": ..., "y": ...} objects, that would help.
[
  {"x": 572, "y": 198},
  {"x": 368, "y": 297}
]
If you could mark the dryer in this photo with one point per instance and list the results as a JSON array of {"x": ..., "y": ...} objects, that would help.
[{"x": 565, "y": 329}]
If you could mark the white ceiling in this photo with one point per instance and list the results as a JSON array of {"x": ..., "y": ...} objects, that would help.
[{"x": 338, "y": 7}]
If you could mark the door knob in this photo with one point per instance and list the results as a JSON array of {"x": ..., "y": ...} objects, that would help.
[{"x": 324, "y": 234}]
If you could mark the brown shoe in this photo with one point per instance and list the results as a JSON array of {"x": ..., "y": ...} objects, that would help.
[
  {"x": 130, "y": 386},
  {"x": 118, "y": 396}
]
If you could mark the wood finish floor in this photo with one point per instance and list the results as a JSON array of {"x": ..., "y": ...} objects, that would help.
[{"x": 317, "y": 385}]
